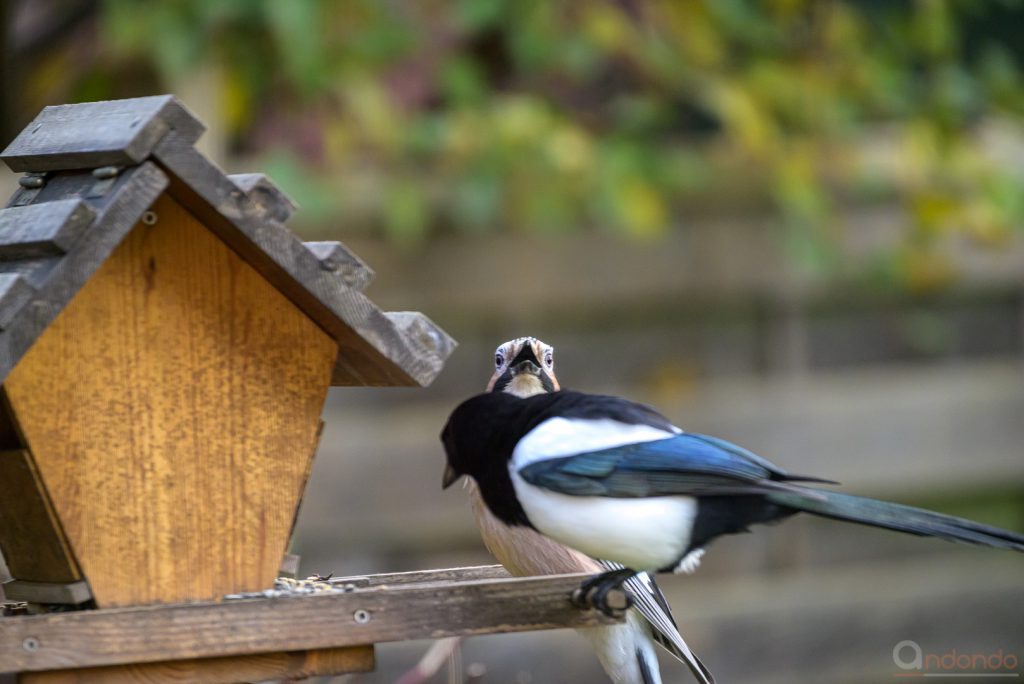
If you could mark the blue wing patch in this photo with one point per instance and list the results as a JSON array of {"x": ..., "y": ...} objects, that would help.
[{"x": 682, "y": 464}]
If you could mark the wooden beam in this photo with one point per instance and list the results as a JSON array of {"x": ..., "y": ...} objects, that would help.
[
  {"x": 248, "y": 668},
  {"x": 31, "y": 537},
  {"x": 430, "y": 610},
  {"x": 15, "y": 293},
  {"x": 42, "y": 230},
  {"x": 336, "y": 257},
  {"x": 59, "y": 593},
  {"x": 91, "y": 134},
  {"x": 270, "y": 200},
  {"x": 467, "y": 574}
]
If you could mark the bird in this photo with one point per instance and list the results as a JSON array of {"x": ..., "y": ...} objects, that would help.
[
  {"x": 525, "y": 367},
  {"x": 615, "y": 479}
]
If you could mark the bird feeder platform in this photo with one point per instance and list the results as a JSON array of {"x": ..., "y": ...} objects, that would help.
[{"x": 166, "y": 347}]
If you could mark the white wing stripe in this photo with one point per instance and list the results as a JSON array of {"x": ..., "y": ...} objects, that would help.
[{"x": 557, "y": 437}]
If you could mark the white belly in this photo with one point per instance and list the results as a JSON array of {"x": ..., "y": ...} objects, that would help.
[{"x": 642, "y": 534}]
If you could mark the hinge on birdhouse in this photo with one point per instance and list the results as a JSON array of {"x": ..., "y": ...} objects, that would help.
[
  {"x": 31, "y": 184},
  {"x": 105, "y": 177}
]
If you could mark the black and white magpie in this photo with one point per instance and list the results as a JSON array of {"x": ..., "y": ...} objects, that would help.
[
  {"x": 525, "y": 367},
  {"x": 616, "y": 480}
]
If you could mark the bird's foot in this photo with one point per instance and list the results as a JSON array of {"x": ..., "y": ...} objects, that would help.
[{"x": 594, "y": 592}]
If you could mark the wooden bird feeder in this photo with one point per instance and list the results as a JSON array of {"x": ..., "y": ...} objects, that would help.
[{"x": 166, "y": 345}]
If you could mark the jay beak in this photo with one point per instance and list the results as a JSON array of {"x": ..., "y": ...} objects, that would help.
[
  {"x": 525, "y": 367},
  {"x": 618, "y": 481}
]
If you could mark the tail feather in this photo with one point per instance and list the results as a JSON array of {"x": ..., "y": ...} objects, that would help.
[{"x": 859, "y": 509}]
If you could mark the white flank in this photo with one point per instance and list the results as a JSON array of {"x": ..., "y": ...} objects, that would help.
[
  {"x": 643, "y": 534},
  {"x": 616, "y": 647},
  {"x": 558, "y": 437}
]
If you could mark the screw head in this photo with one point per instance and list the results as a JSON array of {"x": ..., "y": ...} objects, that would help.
[
  {"x": 361, "y": 616},
  {"x": 149, "y": 218},
  {"x": 30, "y": 644},
  {"x": 105, "y": 172}
]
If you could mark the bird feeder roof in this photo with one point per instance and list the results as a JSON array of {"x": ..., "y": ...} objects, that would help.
[{"x": 94, "y": 169}]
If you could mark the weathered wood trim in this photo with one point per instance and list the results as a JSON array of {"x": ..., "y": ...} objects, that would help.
[
  {"x": 418, "y": 327},
  {"x": 93, "y": 134},
  {"x": 15, "y": 292},
  {"x": 466, "y": 574},
  {"x": 373, "y": 350},
  {"x": 260, "y": 667},
  {"x": 265, "y": 195},
  {"x": 64, "y": 593},
  {"x": 32, "y": 538},
  {"x": 43, "y": 230},
  {"x": 394, "y": 613},
  {"x": 336, "y": 257}
]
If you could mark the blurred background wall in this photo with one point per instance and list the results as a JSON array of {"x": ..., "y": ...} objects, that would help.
[{"x": 793, "y": 224}]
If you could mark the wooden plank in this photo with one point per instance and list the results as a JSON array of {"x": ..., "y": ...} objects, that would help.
[
  {"x": 15, "y": 293},
  {"x": 466, "y": 574},
  {"x": 44, "y": 229},
  {"x": 269, "y": 199},
  {"x": 374, "y": 350},
  {"x": 171, "y": 409},
  {"x": 31, "y": 539},
  {"x": 417, "y": 326},
  {"x": 60, "y": 593},
  {"x": 412, "y": 611},
  {"x": 92, "y": 134},
  {"x": 249, "y": 668},
  {"x": 56, "y": 283},
  {"x": 336, "y": 257}
]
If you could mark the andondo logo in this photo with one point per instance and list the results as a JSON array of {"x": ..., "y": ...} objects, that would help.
[{"x": 916, "y": 662}]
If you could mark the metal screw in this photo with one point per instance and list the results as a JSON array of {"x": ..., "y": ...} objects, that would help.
[
  {"x": 105, "y": 172},
  {"x": 149, "y": 218},
  {"x": 31, "y": 182},
  {"x": 361, "y": 616},
  {"x": 30, "y": 644}
]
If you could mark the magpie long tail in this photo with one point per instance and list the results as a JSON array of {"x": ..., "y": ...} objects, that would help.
[{"x": 859, "y": 509}]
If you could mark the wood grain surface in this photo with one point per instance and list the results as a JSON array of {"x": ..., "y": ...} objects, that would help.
[
  {"x": 249, "y": 668},
  {"x": 89, "y": 134},
  {"x": 172, "y": 409},
  {"x": 431, "y": 610}
]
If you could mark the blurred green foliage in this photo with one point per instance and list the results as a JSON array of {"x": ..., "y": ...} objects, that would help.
[{"x": 617, "y": 115}]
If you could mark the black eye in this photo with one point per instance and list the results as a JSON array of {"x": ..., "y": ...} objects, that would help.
[
  {"x": 549, "y": 359},
  {"x": 499, "y": 360}
]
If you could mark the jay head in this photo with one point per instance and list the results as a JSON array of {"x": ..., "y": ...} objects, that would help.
[
  {"x": 524, "y": 367},
  {"x": 616, "y": 480}
]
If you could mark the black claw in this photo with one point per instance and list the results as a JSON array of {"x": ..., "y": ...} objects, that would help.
[{"x": 593, "y": 592}]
